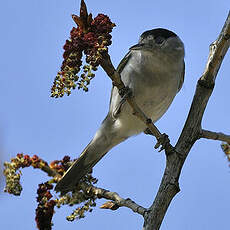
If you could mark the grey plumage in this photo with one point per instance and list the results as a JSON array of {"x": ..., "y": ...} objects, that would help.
[{"x": 154, "y": 70}]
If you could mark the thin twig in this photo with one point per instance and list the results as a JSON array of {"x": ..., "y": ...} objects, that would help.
[
  {"x": 108, "y": 67},
  {"x": 214, "y": 136},
  {"x": 121, "y": 202},
  {"x": 50, "y": 171},
  {"x": 102, "y": 193}
]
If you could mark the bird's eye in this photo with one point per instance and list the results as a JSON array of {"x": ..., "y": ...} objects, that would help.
[
  {"x": 150, "y": 37},
  {"x": 159, "y": 40}
]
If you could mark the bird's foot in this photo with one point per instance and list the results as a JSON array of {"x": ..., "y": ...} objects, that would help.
[
  {"x": 164, "y": 142},
  {"x": 147, "y": 131},
  {"x": 125, "y": 93}
]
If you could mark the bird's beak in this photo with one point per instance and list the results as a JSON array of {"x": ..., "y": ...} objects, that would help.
[
  {"x": 137, "y": 46},
  {"x": 141, "y": 46}
]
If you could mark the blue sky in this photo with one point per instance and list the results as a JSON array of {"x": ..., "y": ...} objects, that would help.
[{"x": 32, "y": 36}]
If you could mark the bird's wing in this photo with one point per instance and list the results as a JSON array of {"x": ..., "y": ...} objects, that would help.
[
  {"x": 182, "y": 78},
  {"x": 123, "y": 62},
  {"x": 116, "y": 101}
]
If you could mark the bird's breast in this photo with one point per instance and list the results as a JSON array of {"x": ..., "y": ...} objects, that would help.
[{"x": 154, "y": 81}]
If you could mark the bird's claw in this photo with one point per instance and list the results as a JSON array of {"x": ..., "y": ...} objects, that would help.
[
  {"x": 125, "y": 92},
  {"x": 164, "y": 142},
  {"x": 148, "y": 131}
]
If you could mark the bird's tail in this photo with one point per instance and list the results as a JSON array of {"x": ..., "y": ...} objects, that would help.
[{"x": 94, "y": 151}]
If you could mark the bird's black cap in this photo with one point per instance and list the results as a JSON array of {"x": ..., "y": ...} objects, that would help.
[{"x": 159, "y": 32}]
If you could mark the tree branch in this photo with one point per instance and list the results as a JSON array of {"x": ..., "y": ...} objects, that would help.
[
  {"x": 108, "y": 67},
  {"x": 118, "y": 201},
  {"x": 50, "y": 171},
  {"x": 218, "y": 49},
  {"x": 169, "y": 186},
  {"x": 214, "y": 136},
  {"x": 102, "y": 193}
]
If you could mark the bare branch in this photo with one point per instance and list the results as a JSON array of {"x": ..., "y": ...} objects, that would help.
[
  {"x": 108, "y": 67},
  {"x": 101, "y": 193},
  {"x": 119, "y": 201},
  {"x": 50, "y": 171},
  {"x": 218, "y": 50},
  {"x": 191, "y": 132},
  {"x": 214, "y": 136}
]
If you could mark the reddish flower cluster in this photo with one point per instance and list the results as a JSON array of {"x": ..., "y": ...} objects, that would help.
[
  {"x": 98, "y": 39},
  {"x": 44, "y": 191},
  {"x": 13, "y": 185},
  {"x": 23, "y": 161},
  {"x": 46, "y": 204},
  {"x": 102, "y": 25},
  {"x": 91, "y": 37},
  {"x": 61, "y": 166},
  {"x": 45, "y": 209}
]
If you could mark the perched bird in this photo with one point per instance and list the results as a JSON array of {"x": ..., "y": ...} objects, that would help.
[{"x": 154, "y": 70}]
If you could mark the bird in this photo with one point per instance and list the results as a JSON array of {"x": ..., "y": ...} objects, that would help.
[{"x": 154, "y": 70}]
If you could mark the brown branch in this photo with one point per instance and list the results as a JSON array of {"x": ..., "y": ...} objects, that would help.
[
  {"x": 218, "y": 49},
  {"x": 108, "y": 67},
  {"x": 103, "y": 193},
  {"x": 118, "y": 201},
  {"x": 169, "y": 186},
  {"x": 214, "y": 136},
  {"x": 50, "y": 171}
]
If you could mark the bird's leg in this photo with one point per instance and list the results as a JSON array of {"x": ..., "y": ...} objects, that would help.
[
  {"x": 125, "y": 93},
  {"x": 147, "y": 131}
]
